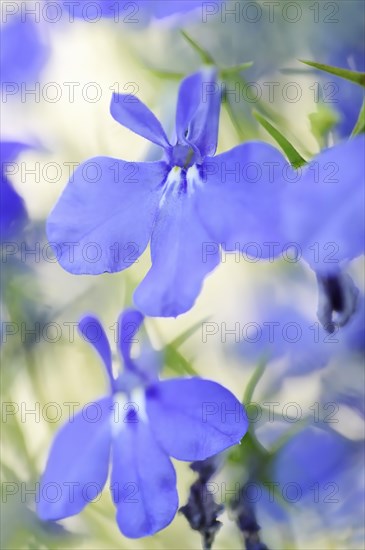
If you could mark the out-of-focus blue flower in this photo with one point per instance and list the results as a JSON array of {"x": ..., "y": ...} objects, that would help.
[
  {"x": 324, "y": 211},
  {"x": 138, "y": 11},
  {"x": 13, "y": 211},
  {"x": 325, "y": 218},
  {"x": 23, "y": 51},
  {"x": 188, "y": 204},
  {"x": 283, "y": 331},
  {"x": 314, "y": 455},
  {"x": 349, "y": 96},
  {"x": 280, "y": 328},
  {"x": 323, "y": 470},
  {"x": 341, "y": 44},
  {"x": 139, "y": 424},
  {"x": 337, "y": 299},
  {"x": 316, "y": 470}
]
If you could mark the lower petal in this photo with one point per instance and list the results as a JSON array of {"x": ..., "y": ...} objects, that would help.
[
  {"x": 179, "y": 264},
  {"x": 194, "y": 419},
  {"x": 143, "y": 482},
  {"x": 104, "y": 218},
  {"x": 241, "y": 199},
  {"x": 78, "y": 463}
]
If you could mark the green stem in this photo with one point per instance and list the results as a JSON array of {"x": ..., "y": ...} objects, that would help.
[{"x": 255, "y": 378}]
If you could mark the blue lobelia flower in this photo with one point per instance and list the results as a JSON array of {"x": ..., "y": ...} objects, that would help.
[
  {"x": 138, "y": 425},
  {"x": 324, "y": 216},
  {"x": 13, "y": 211},
  {"x": 188, "y": 204},
  {"x": 23, "y": 52}
]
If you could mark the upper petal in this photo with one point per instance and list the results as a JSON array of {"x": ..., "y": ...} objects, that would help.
[
  {"x": 130, "y": 112},
  {"x": 77, "y": 466},
  {"x": 143, "y": 482},
  {"x": 193, "y": 419},
  {"x": 188, "y": 101},
  {"x": 242, "y": 196},
  {"x": 178, "y": 264},
  {"x": 93, "y": 332},
  {"x": 104, "y": 217},
  {"x": 324, "y": 213},
  {"x": 129, "y": 323},
  {"x": 197, "y": 113}
]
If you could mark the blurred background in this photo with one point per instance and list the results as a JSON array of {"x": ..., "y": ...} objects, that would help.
[{"x": 57, "y": 79}]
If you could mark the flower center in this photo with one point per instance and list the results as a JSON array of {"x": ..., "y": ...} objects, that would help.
[
  {"x": 181, "y": 181},
  {"x": 183, "y": 156},
  {"x": 128, "y": 409}
]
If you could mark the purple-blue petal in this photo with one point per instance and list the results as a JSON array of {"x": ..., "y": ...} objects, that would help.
[
  {"x": 312, "y": 456},
  {"x": 129, "y": 323},
  {"x": 324, "y": 210},
  {"x": 23, "y": 51},
  {"x": 93, "y": 332},
  {"x": 178, "y": 264},
  {"x": 189, "y": 99},
  {"x": 129, "y": 12},
  {"x": 13, "y": 213},
  {"x": 241, "y": 199},
  {"x": 78, "y": 463},
  {"x": 143, "y": 482},
  {"x": 194, "y": 419},
  {"x": 104, "y": 217},
  {"x": 130, "y": 112},
  {"x": 282, "y": 330},
  {"x": 197, "y": 113},
  {"x": 162, "y": 8}
]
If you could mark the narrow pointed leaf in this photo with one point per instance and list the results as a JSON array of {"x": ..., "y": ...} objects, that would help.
[
  {"x": 204, "y": 55},
  {"x": 353, "y": 76},
  {"x": 359, "y": 127},
  {"x": 177, "y": 362},
  {"x": 293, "y": 156}
]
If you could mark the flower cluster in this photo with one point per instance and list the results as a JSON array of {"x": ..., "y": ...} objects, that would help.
[{"x": 189, "y": 210}]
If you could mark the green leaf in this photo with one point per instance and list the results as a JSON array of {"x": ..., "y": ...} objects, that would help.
[
  {"x": 353, "y": 76},
  {"x": 177, "y": 362},
  {"x": 360, "y": 123},
  {"x": 294, "y": 157},
  {"x": 204, "y": 55}
]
